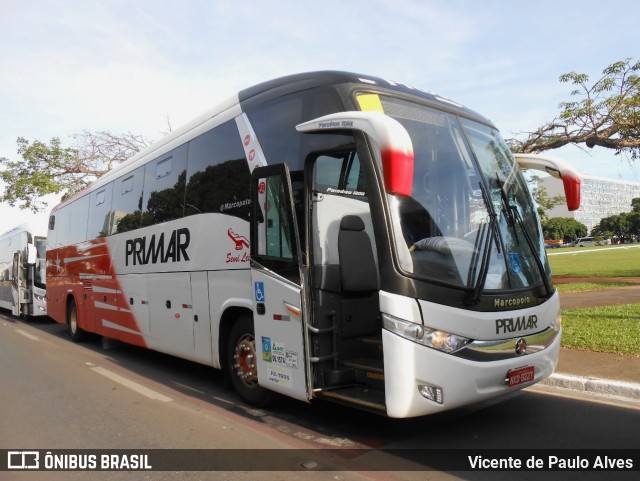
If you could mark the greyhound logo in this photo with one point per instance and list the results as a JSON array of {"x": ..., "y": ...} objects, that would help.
[{"x": 240, "y": 241}]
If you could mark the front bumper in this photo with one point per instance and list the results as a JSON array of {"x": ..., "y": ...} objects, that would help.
[{"x": 409, "y": 365}]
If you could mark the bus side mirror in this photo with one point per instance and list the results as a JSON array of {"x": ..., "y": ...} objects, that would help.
[
  {"x": 388, "y": 135},
  {"x": 32, "y": 254},
  {"x": 558, "y": 169}
]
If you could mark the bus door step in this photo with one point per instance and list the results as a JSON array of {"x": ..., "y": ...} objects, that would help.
[
  {"x": 336, "y": 377},
  {"x": 368, "y": 372},
  {"x": 359, "y": 396},
  {"x": 372, "y": 347}
]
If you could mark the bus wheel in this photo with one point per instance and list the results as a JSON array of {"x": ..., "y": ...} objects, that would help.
[
  {"x": 242, "y": 366},
  {"x": 75, "y": 332}
]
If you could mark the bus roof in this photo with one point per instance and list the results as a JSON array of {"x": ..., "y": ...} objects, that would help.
[
  {"x": 261, "y": 93},
  {"x": 301, "y": 81},
  {"x": 24, "y": 227}
]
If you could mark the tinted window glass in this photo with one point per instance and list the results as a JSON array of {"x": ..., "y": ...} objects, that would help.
[
  {"x": 79, "y": 210},
  {"x": 340, "y": 174},
  {"x": 218, "y": 174},
  {"x": 54, "y": 229},
  {"x": 164, "y": 182},
  {"x": 275, "y": 126},
  {"x": 100, "y": 212},
  {"x": 127, "y": 201}
]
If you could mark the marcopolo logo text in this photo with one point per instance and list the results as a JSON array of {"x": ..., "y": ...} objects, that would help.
[{"x": 512, "y": 302}]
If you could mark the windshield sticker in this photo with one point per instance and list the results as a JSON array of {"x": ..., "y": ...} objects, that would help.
[
  {"x": 514, "y": 262},
  {"x": 370, "y": 102}
]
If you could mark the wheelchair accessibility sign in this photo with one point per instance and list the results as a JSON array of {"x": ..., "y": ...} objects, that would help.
[{"x": 259, "y": 290}]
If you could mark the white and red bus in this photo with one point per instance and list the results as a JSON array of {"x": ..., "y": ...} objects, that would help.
[
  {"x": 22, "y": 272},
  {"x": 322, "y": 235}
]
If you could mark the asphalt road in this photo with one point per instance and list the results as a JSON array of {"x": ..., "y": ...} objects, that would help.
[{"x": 55, "y": 394}]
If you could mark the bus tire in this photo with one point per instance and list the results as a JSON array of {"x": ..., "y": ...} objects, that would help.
[
  {"x": 242, "y": 366},
  {"x": 75, "y": 332}
]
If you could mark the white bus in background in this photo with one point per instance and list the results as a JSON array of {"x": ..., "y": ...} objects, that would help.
[
  {"x": 23, "y": 272},
  {"x": 322, "y": 235}
]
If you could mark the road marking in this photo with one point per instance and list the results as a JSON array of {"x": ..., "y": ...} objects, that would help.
[
  {"x": 27, "y": 335},
  {"x": 184, "y": 386},
  {"x": 134, "y": 386},
  {"x": 337, "y": 442},
  {"x": 224, "y": 400}
]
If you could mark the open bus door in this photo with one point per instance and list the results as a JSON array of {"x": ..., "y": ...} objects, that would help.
[
  {"x": 278, "y": 293},
  {"x": 18, "y": 281}
]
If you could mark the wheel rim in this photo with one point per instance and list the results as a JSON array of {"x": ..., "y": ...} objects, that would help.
[{"x": 245, "y": 360}]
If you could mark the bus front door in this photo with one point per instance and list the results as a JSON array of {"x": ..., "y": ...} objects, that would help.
[
  {"x": 278, "y": 296},
  {"x": 18, "y": 280}
]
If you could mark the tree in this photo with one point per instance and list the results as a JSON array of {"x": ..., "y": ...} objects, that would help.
[
  {"x": 51, "y": 168},
  {"x": 618, "y": 225},
  {"x": 563, "y": 228},
  {"x": 625, "y": 225},
  {"x": 634, "y": 224},
  {"x": 543, "y": 201},
  {"x": 605, "y": 114}
]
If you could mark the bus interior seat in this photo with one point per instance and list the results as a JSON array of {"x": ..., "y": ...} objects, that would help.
[{"x": 358, "y": 279}]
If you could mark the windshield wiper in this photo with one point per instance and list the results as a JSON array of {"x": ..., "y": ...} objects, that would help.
[
  {"x": 492, "y": 232},
  {"x": 516, "y": 218}
]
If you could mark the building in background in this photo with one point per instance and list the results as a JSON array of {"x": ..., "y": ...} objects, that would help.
[{"x": 600, "y": 198}]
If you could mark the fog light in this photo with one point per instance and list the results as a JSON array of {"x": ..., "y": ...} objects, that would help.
[{"x": 432, "y": 393}]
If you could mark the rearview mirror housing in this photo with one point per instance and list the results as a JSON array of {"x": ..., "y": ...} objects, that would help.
[
  {"x": 557, "y": 168},
  {"x": 388, "y": 135}
]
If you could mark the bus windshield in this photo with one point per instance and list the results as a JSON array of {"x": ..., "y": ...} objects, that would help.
[{"x": 470, "y": 221}]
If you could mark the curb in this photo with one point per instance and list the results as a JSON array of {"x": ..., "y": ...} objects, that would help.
[{"x": 609, "y": 387}]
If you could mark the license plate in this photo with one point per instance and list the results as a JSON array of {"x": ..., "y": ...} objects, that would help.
[{"x": 520, "y": 375}]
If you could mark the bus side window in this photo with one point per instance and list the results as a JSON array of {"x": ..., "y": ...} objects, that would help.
[
  {"x": 217, "y": 173},
  {"x": 278, "y": 226},
  {"x": 127, "y": 202},
  {"x": 61, "y": 232},
  {"x": 164, "y": 184},
  {"x": 340, "y": 174},
  {"x": 100, "y": 212},
  {"x": 52, "y": 232},
  {"x": 79, "y": 211}
]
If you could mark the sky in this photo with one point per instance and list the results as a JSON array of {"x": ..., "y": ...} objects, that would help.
[{"x": 141, "y": 65}]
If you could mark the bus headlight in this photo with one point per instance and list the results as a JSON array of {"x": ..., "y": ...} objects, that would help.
[
  {"x": 433, "y": 338},
  {"x": 40, "y": 298},
  {"x": 556, "y": 324}
]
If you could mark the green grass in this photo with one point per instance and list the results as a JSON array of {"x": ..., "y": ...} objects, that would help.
[
  {"x": 590, "y": 286},
  {"x": 614, "y": 329},
  {"x": 602, "y": 262}
]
